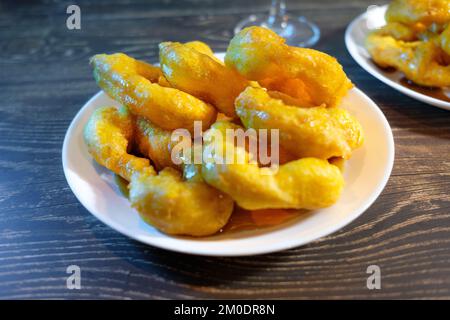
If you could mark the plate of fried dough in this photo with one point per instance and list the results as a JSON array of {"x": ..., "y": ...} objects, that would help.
[
  {"x": 406, "y": 45},
  {"x": 157, "y": 154}
]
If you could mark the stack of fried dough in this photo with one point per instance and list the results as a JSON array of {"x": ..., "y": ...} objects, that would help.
[
  {"x": 263, "y": 84},
  {"x": 415, "y": 41}
]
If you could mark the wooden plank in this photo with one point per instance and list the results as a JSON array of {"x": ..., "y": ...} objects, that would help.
[{"x": 45, "y": 79}]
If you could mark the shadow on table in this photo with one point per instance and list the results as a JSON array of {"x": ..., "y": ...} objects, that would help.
[{"x": 154, "y": 270}]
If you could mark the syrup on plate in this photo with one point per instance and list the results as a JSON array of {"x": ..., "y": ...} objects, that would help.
[
  {"x": 251, "y": 220},
  {"x": 437, "y": 93}
]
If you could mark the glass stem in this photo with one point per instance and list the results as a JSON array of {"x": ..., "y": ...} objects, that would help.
[{"x": 277, "y": 13}]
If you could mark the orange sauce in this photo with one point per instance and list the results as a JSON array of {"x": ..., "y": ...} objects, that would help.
[
  {"x": 249, "y": 220},
  {"x": 436, "y": 93}
]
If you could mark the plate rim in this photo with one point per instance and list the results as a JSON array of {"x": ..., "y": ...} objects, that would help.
[
  {"x": 351, "y": 48},
  {"x": 250, "y": 251}
]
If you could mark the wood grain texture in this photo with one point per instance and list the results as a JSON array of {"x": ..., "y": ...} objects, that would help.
[{"x": 45, "y": 79}]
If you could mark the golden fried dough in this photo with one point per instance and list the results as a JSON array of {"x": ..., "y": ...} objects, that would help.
[
  {"x": 180, "y": 206},
  {"x": 130, "y": 82},
  {"x": 445, "y": 40},
  {"x": 155, "y": 143},
  {"x": 399, "y": 31},
  {"x": 304, "y": 132},
  {"x": 260, "y": 54},
  {"x": 420, "y": 61},
  {"x": 426, "y": 12},
  {"x": 203, "y": 48},
  {"x": 263, "y": 84},
  {"x": 306, "y": 183},
  {"x": 197, "y": 73},
  {"x": 173, "y": 204},
  {"x": 107, "y": 135}
]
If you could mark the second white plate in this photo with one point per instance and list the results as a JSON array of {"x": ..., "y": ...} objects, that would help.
[{"x": 355, "y": 37}]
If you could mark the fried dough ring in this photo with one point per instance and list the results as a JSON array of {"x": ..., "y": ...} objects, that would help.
[
  {"x": 191, "y": 68},
  {"x": 445, "y": 40},
  {"x": 203, "y": 48},
  {"x": 171, "y": 203},
  {"x": 155, "y": 143},
  {"x": 307, "y": 183},
  {"x": 107, "y": 135},
  {"x": 181, "y": 206},
  {"x": 129, "y": 82},
  {"x": 423, "y": 62},
  {"x": 412, "y": 12},
  {"x": 304, "y": 132},
  {"x": 260, "y": 54},
  {"x": 398, "y": 31}
]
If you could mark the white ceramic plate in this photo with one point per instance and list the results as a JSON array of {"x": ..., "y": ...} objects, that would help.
[
  {"x": 355, "y": 37},
  {"x": 366, "y": 175}
]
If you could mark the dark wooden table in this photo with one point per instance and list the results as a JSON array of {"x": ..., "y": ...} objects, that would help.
[{"x": 45, "y": 79}]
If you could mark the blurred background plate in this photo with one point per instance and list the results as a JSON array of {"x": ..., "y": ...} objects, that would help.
[{"x": 355, "y": 37}]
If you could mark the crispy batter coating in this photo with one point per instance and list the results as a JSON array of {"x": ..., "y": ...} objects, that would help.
[
  {"x": 445, "y": 40},
  {"x": 171, "y": 203},
  {"x": 203, "y": 48},
  {"x": 308, "y": 183},
  {"x": 194, "y": 71},
  {"x": 260, "y": 54},
  {"x": 399, "y": 31},
  {"x": 423, "y": 62},
  {"x": 426, "y": 12},
  {"x": 304, "y": 132},
  {"x": 130, "y": 82},
  {"x": 107, "y": 135},
  {"x": 180, "y": 206},
  {"x": 155, "y": 143}
]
